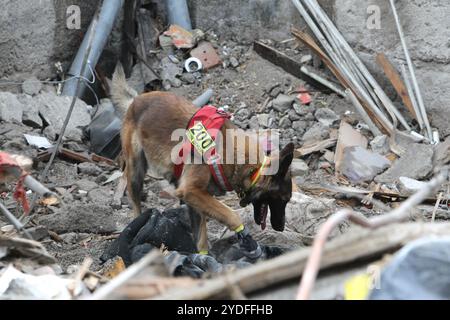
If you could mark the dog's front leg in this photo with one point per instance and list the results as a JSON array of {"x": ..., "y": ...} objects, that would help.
[
  {"x": 192, "y": 190},
  {"x": 202, "y": 243}
]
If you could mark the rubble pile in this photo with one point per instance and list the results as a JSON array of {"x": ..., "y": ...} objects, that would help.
[{"x": 349, "y": 156}]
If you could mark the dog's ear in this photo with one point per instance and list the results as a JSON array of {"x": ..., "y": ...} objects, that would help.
[{"x": 286, "y": 157}]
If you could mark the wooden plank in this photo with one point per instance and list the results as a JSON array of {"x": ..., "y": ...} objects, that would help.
[
  {"x": 397, "y": 82},
  {"x": 286, "y": 63},
  {"x": 315, "y": 147},
  {"x": 356, "y": 245}
]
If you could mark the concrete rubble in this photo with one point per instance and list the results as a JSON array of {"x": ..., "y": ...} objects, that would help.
[{"x": 342, "y": 152}]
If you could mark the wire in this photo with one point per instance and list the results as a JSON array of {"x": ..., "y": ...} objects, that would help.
[
  {"x": 86, "y": 82},
  {"x": 2, "y": 83}
]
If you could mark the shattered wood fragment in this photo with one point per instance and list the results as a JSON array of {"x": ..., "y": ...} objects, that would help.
[
  {"x": 287, "y": 64},
  {"x": 75, "y": 156},
  {"x": 315, "y": 147}
]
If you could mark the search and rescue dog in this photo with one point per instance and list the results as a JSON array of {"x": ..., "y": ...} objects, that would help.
[{"x": 149, "y": 123}]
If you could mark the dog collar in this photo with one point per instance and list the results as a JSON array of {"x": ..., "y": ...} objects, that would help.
[{"x": 257, "y": 174}]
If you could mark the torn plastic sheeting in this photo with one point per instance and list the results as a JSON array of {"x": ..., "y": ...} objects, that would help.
[
  {"x": 152, "y": 229},
  {"x": 420, "y": 271},
  {"x": 173, "y": 229}
]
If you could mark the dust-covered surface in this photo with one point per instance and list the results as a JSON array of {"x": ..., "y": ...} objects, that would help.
[{"x": 260, "y": 96}]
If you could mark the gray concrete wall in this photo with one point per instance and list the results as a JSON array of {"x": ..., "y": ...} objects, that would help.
[
  {"x": 426, "y": 25},
  {"x": 34, "y": 36}
]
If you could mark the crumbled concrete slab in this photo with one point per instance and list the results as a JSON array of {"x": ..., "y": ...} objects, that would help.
[
  {"x": 30, "y": 111},
  {"x": 442, "y": 153},
  {"x": 31, "y": 86},
  {"x": 101, "y": 196},
  {"x": 316, "y": 133},
  {"x": 380, "y": 145},
  {"x": 89, "y": 218},
  {"x": 408, "y": 186},
  {"x": 299, "y": 168},
  {"x": 326, "y": 116},
  {"x": 416, "y": 163},
  {"x": 264, "y": 120},
  {"x": 89, "y": 168},
  {"x": 283, "y": 103},
  {"x": 86, "y": 184},
  {"x": 170, "y": 73},
  {"x": 53, "y": 109},
  {"x": 11, "y": 109},
  {"x": 361, "y": 165}
]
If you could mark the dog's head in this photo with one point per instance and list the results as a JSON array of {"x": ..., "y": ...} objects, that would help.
[{"x": 271, "y": 191}]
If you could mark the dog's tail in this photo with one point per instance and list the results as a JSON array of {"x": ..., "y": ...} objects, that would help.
[{"x": 121, "y": 93}]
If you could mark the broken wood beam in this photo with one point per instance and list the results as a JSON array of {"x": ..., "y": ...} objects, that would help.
[
  {"x": 356, "y": 245},
  {"x": 75, "y": 156},
  {"x": 397, "y": 82},
  {"x": 315, "y": 147},
  {"x": 287, "y": 64}
]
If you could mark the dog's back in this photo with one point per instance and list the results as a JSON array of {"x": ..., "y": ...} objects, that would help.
[{"x": 149, "y": 120}]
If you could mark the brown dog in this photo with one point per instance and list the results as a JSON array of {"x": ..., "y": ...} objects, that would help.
[{"x": 148, "y": 122}]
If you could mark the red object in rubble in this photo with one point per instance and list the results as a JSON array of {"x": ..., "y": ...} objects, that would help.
[
  {"x": 6, "y": 164},
  {"x": 304, "y": 97}
]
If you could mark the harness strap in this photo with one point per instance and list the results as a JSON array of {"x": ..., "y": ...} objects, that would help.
[{"x": 212, "y": 119}]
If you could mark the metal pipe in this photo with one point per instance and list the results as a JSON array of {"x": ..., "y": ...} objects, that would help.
[
  {"x": 412, "y": 72},
  {"x": 323, "y": 81},
  {"x": 39, "y": 188},
  {"x": 203, "y": 99},
  {"x": 109, "y": 11},
  {"x": 359, "y": 108},
  {"x": 14, "y": 221},
  {"x": 178, "y": 13},
  {"x": 361, "y": 92},
  {"x": 355, "y": 58},
  {"x": 412, "y": 96}
]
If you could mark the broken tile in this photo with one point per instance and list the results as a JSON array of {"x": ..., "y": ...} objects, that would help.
[
  {"x": 206, "y": 53},
  {"x": 361, "y": 165}
]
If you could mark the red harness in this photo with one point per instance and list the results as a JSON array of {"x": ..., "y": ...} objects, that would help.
[{"x": 212, "y": 120}]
